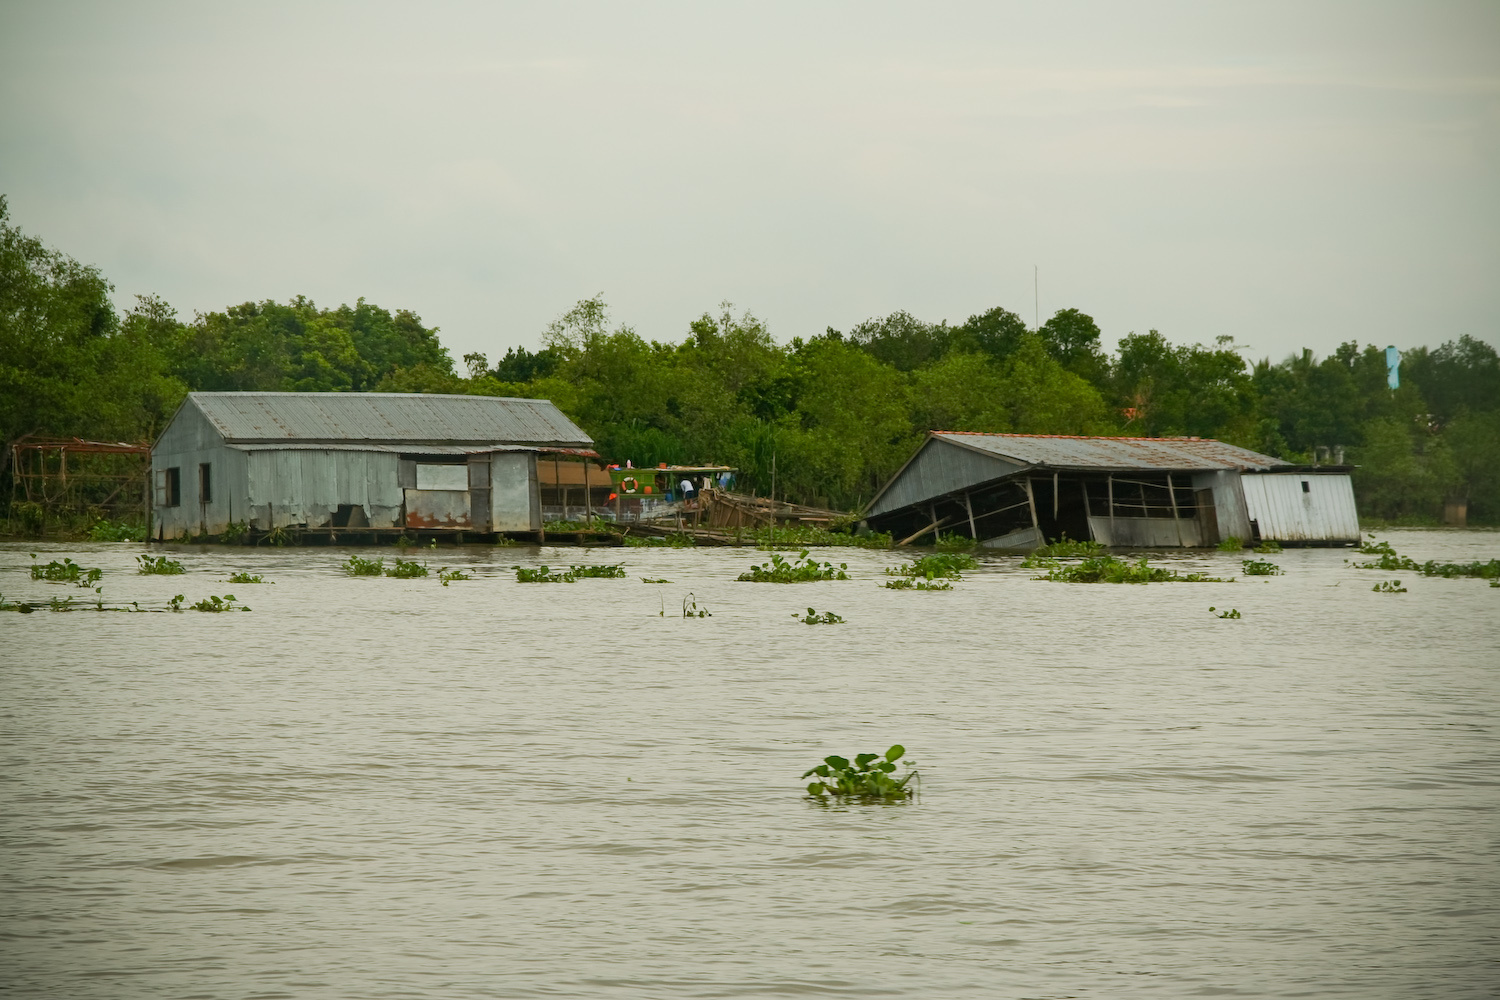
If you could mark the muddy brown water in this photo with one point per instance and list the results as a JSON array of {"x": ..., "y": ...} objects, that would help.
[{"x": 390, "y": 788}]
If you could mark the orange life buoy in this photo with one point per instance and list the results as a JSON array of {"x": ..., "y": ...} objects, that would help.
[{"x": 629, "y": 485}]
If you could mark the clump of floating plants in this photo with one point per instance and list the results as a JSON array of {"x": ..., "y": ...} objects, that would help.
[
  {"x": 407, "y": 569},
  {"x": 355, "y": 566},
  {"x": 1390, "y": 561},
  {"x": 159, "y": 566},
  {"x": 930, "y": 572},
  {"x": 1268, "y": 547},
  {"x": 447, "y": 575},
  {"x": 215, "y": 604},
  {"x": 597, "y": 572},
  {"x": 248, "y": 578},
  {"x": 869, "y": 777},
  {"x": 690, "y": 608},
  {"x": 800, "y": 570},
  {"x": 1389, "y": 587},
  {"x": 1260, "y": 567},
  {"x": 544, "y": 574},
  {"x": 813, "y": 618},
  {"x": 954, "y": 543},
  {"x": 1231, "y": 544},
  {"x": 1067, "y": 548},
  {"x": 1108, "y": 569},
  {"x": 649, "y": 579},
  {"x": 66, "y": 571},
  {"x": 1231, "y": 613}
]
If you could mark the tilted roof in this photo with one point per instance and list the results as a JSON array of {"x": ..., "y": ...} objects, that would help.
[
  {"x": 1060, "y": 451},
  {"x": 386, "y": 418}
]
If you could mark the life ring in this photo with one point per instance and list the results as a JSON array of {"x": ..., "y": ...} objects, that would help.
[{"x": 629, "y": 485}]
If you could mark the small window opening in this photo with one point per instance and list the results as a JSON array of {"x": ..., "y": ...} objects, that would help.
[
  {"x": 205, "y": 483},
  {"x": 170, "y": 488},
  {"x": 1306, "y": 488}
]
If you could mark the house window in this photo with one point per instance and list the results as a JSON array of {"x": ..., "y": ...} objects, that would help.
[
  {"x": 169, "y": 487},
  {"x": 1306, "y": 488},
  {"x": 205, "y": 483}
]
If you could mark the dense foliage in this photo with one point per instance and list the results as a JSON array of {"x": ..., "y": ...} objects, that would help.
[{"x": 837, "y": 412}]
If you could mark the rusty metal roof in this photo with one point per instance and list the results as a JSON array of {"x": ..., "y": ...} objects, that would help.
[
  {"x": 1060, "y": 451},
  {"x": 386, "y": 418}
]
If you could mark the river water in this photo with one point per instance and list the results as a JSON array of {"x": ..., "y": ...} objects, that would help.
[{"x": 391, "y": 788}]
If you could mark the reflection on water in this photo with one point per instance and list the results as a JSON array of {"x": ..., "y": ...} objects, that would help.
[{"x": 377, "y": 787}]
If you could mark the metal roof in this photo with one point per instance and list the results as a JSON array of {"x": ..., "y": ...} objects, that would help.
[
  {"x": 386, "y": 418},
  {"x": 1058, "y": 451}
]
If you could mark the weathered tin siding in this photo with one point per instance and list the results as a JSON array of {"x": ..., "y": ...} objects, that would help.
[
  {"x": 189, "y": 442},
  {"x": 1229, "y": 505},
  {"x": 516, "y": 504},
  {"x": 937, "y": 469},
  {"x": 1303, "y": 508},
  {"x": 1148, "y": 532},
  {"x": 305, "y": 487}
]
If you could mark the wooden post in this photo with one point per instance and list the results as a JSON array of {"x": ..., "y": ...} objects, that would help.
[
  {"x": 1087, "y": 511},
  {"x": 973, "y": 532},
  {"x": 1176, "y": 520},
  {"x": 557, "y": 490},
  {"x": 1031, "y": 502},
  {"x": 1112, "y": 508},
  {"x": 588, "y": 493},
  {"x": 1054, "y": 496}
]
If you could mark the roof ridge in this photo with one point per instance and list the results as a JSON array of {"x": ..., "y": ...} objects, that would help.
[{"x": 1079, "y": 437}]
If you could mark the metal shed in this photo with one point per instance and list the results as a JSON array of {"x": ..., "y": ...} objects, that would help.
[
  {"x": 354, "y": 463},
  {"x": 1017, "y": 491}
]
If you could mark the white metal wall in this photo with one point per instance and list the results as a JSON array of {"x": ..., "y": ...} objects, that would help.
[
  {"x": 1302, "y": 507},
  {"x": 188, "y": 442},
  {"x": 305, "y": 487}
]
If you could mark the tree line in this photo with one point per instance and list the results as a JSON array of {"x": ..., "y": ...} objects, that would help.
[{"x": 836, "y": 412}]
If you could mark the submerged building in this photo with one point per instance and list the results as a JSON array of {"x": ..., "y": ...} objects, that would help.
[
  {"x": 1019, "y": 491},
  {"x": 353, "y": 463}
]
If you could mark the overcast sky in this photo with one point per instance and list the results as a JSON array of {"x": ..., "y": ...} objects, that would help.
[{"x": 1288, "y": 174}]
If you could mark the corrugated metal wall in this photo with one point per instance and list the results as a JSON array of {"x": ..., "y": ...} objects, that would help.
[
  {"x": 939, "y": 468},
  {"x": 306, "y": 487},
  {"x": 1229, "y": 504},
  {"x": 1302, "y": 508},
  {"x": 188, "y": 442}
]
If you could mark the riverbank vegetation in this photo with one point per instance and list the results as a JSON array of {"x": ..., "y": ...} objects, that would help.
[{"x": 836, "y": 411}]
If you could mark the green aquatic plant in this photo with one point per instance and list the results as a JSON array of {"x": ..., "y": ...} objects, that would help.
[
  {"x": 1108, "y": 569},
  {"x": 447, "y": 575},
  {"x": 1067, "y": 548},
  {"x": 406, "y": 569},
  {"x": 1389, "y": 587},
  {"x": 813, "y": 618},
  {"x": 105, "y": 530},
  {"x": 868, "y": 777},
  {"x": 954, "y": 542},
  {"x": 908, "y": 583},
  {"x": 803, "y": 536},
  {"x": 247, "y": 578},
  {"x": 597, "y": 572},
  {"x": 1231, "y": 544},
  {"x": 1231, "y": 613},
  {"x": 277, "y": 536},
  {"x": 159, "y": 566},
  {"x": 1260, "y": 567},
  {"x": 175, "y": 604},
  {"x": 690, "y": 608},
  {"x": 235, "y": 533},
  {"x": 541, "y": 574},
  {"x": 1391, "y": 561},
  {"x": 648, "y": 579},
  {"x": 355, "y": 566},
  {"x": 937, "y": 566},
  {"x": 66, "y": 571},
  {"x": 800, "y": 570},
  {"x": 1268, "y": 547},
  {"x": 674, "y": 541},
  {"x": 216, "y": 605}
]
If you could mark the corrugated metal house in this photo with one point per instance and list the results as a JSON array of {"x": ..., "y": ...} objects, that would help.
[
  {"x": 355, "y": 462},
  {"x": 1018, "y": 491}
]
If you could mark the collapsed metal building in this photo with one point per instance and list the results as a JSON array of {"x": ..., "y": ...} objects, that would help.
[
  {"x": 355, "y": 463},
  {"x": 1019, "y": 491}
]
